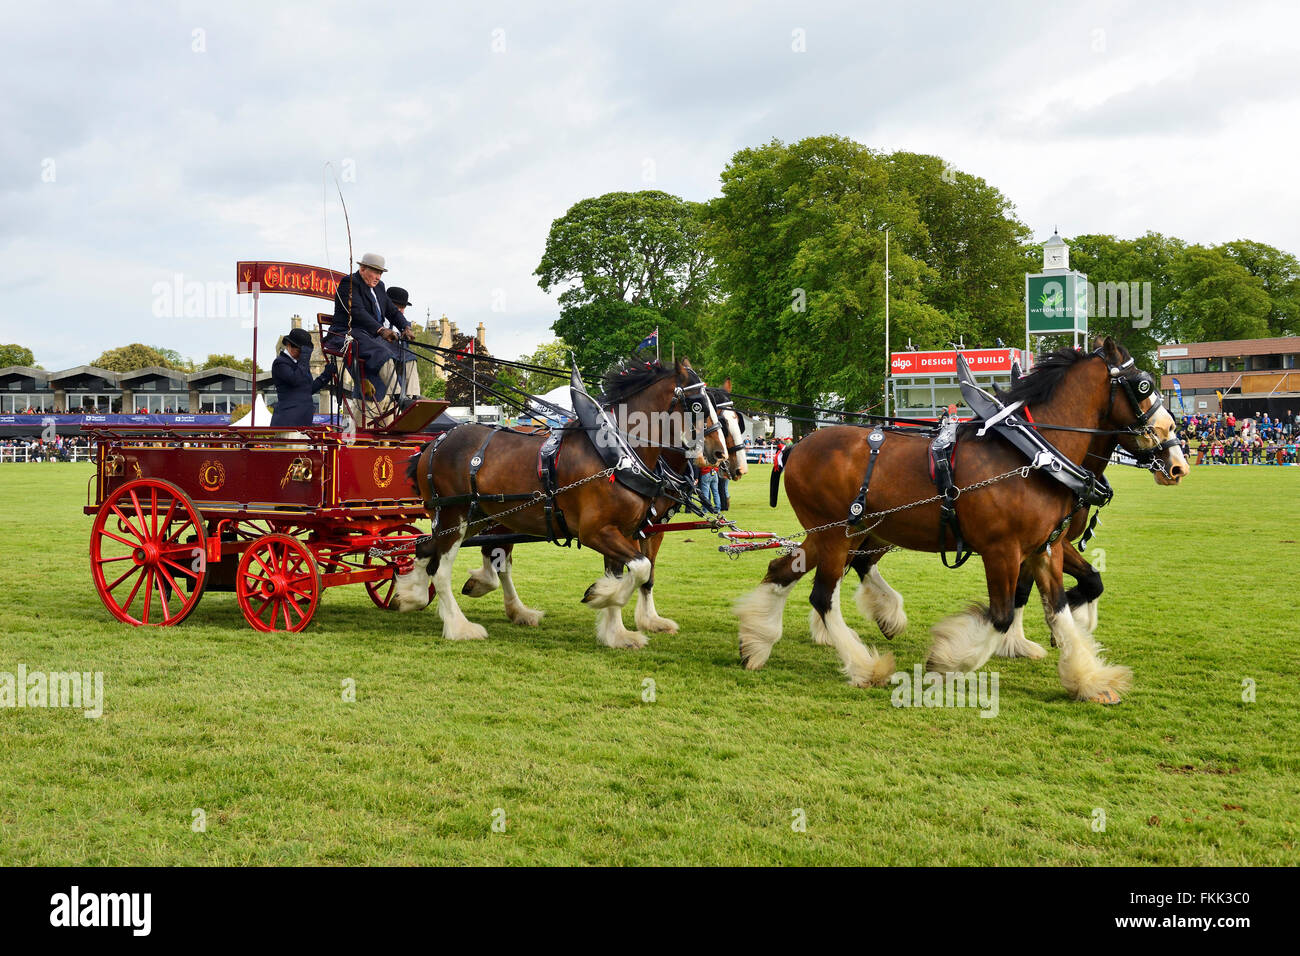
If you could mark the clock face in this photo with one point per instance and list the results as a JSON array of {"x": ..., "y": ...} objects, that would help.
[{"x": 1053, "y": 259}]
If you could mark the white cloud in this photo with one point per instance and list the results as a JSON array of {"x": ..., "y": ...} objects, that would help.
[{"x": 1100, "y": 118}]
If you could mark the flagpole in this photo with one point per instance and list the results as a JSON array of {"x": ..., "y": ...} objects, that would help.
[
  {"x": 886, "y": 322},
  {"x": 253, "y": 420},
  {"x": 657, "y": 361}
]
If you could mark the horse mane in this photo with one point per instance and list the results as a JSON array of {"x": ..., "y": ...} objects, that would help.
[
  {"x": 1038, "y": 386},
  {"x": 621, "y": 381}
]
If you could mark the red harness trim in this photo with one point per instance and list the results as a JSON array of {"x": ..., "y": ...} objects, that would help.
[{"x": 1028, "y": 417}]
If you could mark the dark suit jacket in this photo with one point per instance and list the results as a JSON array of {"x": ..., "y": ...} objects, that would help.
[
  {"x": 294, "y": 388},
  {"x": 353, "y": 294}
]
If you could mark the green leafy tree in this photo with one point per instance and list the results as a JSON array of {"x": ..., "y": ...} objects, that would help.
[
  {"x": 628, "y": 263},
  {"x": 477, "y": 366},
  {"x": 609, "y": 329},
  {"x": 645, "y": 247},
  {"x": 16, "y": 355},
  {"x": 174, "y": 359},
  {"x": 975, "y": 248},
  {"x": 432, "y": 386},
  {"x": 226, "y": 360},
  {"x": 554, "y": 354},
  {"x": 798, "y": 236},
  {"x": 1132, "y": 282},
  {"x": 1217, "y": 298},
  {"x": 1279, "y": 272},
  {"x": 129, "y": 358}
]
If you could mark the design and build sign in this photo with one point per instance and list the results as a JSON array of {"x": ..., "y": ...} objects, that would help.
[
  {"x": 908, "y": 364},
  {"x": 292, "y": 278},
  {"x": 1056, "y": 303}
]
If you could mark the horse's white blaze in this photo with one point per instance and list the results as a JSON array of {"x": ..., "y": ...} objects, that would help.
[
  {"x": 647, "y": 618},
  {"x": 862, "y": 665},
  {"x": 963, "y": 642},
  {"x": 1162, "y": 423},
  {"x": 611, "y": 632},
  {"x": 1083, "y": 671},
  {"x": 1015, "y": 644},
  {"x": 740, "y": 465},
  {"x": 880, "y": 603},
  {"x": 516, "y": 610},
  {"x": 455, "y": 625},
  {"x": 411, "y": 590},
  {"x": 760, "y": 613}
]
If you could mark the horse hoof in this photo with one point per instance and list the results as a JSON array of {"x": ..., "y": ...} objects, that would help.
[{"x": 1107, "y": 696}]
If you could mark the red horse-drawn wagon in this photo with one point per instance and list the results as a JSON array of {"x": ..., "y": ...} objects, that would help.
[{"x": 274, "y": 518}]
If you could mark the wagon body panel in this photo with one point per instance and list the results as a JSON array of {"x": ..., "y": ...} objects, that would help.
[{"x": 337, "y": 494}]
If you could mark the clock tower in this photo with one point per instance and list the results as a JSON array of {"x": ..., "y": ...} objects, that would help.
[
  {"x": 1056, "y": 299},
  {"x": 1056, "y": 254}
]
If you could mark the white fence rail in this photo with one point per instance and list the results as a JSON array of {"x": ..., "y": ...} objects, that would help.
[{"x": 20, "y": 453}]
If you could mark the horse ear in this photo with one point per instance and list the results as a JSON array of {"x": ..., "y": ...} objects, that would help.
[{"x": 1114, "y": 352}]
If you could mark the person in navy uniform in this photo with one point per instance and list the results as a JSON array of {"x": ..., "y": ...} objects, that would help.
[
  {"x": 361, "y": 305},
  {"x": 294, "y": 386},
  {"x": 406, "y": 369}
]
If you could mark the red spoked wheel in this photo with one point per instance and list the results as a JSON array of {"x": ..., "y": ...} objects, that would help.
[
  {"x": 278, "y": 584},
  {"x": 381, "y": 592},
  {"x": 147, "y": 555}
]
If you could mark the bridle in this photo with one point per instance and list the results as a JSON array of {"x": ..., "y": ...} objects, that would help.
[
  {"x": 697, "y": 404},
  {"x": 1138, "y": 386},
  {"x": 729, "y": 406}
]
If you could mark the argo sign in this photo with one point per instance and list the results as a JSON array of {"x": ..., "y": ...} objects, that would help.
[{"x": 910, "y": 364}]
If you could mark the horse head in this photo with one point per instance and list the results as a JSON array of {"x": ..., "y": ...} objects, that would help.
[
  {"x": 1150, "y": 432},
  {"x": 702, "y": 427},
  {"x": 733, "y": 431}
]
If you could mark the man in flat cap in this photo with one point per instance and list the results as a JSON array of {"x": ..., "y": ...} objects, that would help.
[
  {"x": 361, "y": 306},
  {"x": 294, "y": 386}
]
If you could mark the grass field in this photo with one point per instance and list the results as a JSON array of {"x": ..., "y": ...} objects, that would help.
[{"x": 549, "y": 732}]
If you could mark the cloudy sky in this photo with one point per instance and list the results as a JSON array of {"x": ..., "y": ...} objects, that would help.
[{"x": 149, "y": 144}]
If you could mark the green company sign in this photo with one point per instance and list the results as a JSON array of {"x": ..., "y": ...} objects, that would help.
[{"x": 1056, "y": 303}]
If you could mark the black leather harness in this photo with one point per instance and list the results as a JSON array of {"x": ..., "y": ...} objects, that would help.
[
  {"x": 1089, "y": 489},
  {"x": 614, "y": 451}
]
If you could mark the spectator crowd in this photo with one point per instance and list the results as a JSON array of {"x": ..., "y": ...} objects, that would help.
[
  {"x": 1225, "y": 439},
  {"x": 58, "y": 448}
]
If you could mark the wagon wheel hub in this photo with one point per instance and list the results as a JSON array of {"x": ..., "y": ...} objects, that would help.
[{"x": 275, "y": 586}]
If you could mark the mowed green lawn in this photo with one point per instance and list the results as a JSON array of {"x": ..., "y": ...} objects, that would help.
[{"x": 549, "y": 733}]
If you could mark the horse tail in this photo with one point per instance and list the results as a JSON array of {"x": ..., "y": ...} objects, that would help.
[{"x": 778, "y": 466}]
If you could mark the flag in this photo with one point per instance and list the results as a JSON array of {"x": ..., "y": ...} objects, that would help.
[
  {"x": 650, "y": 341},
  {"x": 1178, "y": 390}
]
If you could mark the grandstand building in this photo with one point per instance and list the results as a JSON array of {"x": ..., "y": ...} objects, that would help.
[{"x": 1249, "y": 376}]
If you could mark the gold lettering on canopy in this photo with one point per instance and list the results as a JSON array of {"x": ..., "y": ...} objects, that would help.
[{"x": 289, "y": 278}]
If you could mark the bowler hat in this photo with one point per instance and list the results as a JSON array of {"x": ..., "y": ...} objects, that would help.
[
  {"x": 300, "y": 338},
  {"x": 399, "y": 297}
]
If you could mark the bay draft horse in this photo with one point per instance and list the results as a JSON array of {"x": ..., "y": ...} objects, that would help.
[
  {"x": 1009, "y": 523},
  {"x": 485, "y": 579},
  {"x": 880, "y": 602},
  {"x": 602, "y": 514}
]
